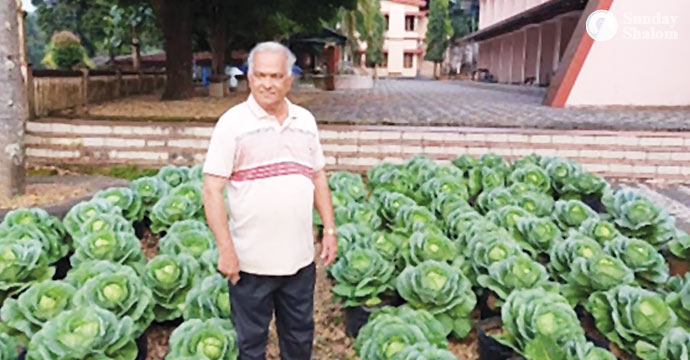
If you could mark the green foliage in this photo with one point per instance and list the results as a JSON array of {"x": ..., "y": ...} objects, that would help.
[
  {"x": 649, "y": 265},
  {"x": 361, "y": 275},
  {"x": 84, "y": 333},
  {"x": 674, "y": 346},
  {"x": 36, "y": 224},
  {"x": 22, "y": 263},
  {"x": 513, "y": 273},
  {"x": 188, "y": 236},
  {"x": 66, "y": 52},
  {"x": 170, "y": 278},
  {"x": 121, "y": 292},
  {"x": 124, "y": 198},
  {"x": 390, "y": 330},
  {"x": 43, "y": 301},
  {"x": 631, "y": 316},
  {"x": 119, "y": 247},
  {"x": 442, "y": 290},
  {"x": 439, "y": 31},
  {"x": 536, "y": 317},
  {"x": 211, "y": 339},
  {"x": 208, "y": 299}
]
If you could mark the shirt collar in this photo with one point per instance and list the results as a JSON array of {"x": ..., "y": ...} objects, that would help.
[{"x": 261, "y": 114}]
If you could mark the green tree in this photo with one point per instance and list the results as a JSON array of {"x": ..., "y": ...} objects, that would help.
[
  {"x": 35, "y": 40},
  {"x": 65, "y": 52},
  {"x": 130, "y": 28},
  {"x": 439, "y": 32},
  {"x": 84, "y": 18}
]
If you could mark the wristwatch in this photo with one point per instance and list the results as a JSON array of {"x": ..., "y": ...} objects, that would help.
[{"x": 329, "y": 231}]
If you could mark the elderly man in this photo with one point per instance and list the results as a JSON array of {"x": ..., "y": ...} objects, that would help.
[{"x": 266, "y": 152}]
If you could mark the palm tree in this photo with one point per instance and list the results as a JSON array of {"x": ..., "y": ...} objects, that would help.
[{"x": 13, "y": 103}]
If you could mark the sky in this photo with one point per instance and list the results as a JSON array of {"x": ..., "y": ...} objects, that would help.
[{"x": 26, "y": 6}]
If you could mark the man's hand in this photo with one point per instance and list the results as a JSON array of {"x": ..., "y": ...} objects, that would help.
[
  {"x": 329, "y": 249},
  {"x": 229, "y": 266}
]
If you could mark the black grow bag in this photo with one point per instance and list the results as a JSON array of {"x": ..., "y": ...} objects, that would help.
[
  {"x": 489, "y": 348},
  {"x": 357, "y": 316}
]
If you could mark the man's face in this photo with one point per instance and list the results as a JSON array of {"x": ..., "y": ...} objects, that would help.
[{"x": 268, "y": 80}]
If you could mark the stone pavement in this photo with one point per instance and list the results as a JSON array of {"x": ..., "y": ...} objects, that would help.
[{"x": 455, "y": 103}]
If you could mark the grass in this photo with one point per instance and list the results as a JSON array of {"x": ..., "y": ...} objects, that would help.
[{"x": 127, "y": 172}]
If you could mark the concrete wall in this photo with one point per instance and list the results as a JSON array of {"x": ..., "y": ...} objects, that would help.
[
  {"x": 629, "y": 70},
  {"x": 663, "y": 156}
]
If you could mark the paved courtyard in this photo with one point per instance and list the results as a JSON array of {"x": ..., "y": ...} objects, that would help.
[{"x": 456, "y": 103}]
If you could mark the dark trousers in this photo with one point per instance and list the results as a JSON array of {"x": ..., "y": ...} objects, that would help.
[{"x": 253, "y": 301}]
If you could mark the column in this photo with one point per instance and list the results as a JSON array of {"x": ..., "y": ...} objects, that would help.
[
  {"x": 548, "y": 47},
  {"x": 532, "y": 47},
  {"x": 518, "y": 67}
]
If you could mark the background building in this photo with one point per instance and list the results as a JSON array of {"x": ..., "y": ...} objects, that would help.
[
  {"x": 545, "y": 42},
  {"x": 404, "y": 39}
]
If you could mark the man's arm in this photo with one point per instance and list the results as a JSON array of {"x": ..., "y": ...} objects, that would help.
[
  {"x": 217, "y": 218},
  {"x": 322, "y": 200}
]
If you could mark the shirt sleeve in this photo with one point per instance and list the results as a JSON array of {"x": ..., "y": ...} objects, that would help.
[{"x": 221, "y": 151}]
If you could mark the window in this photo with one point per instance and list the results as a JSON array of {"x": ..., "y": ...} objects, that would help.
[
  {"x": 409, "y": 23},
  {"x": 408, "y": 61},
  {"x": 387, "y": 21}
]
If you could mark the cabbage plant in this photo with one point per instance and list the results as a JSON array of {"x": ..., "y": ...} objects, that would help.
[
  {"x": 442, "y": 290},
  {"x": 540, "y": 234},
  {"x": 348, "y": 184},
  {"x": 84, "y": 333},
  {"x": 649, "y": 265},
  {"x": 54, "y": 245},
  {"x": 679, "y": 246},
  {"x": 572, "y": 213},
  {"x": 149, "y": 189},
  {"x": 210, "y": 298},
  {"x": 634, "y": 214},
  {"x": 390, "y": 330},
  {"x": 537, "y": 315},
  {"x": 170, "y": 278},
  {"x": 678, "y": 298},
  {"x": 495, "y": 198},
  {"x": 361, "y": 276},
  {"x": 423, "y": 351},
  {"x": 516, "y": 272},
  {"x": 79, "y": 275},
  {"x": 429, "y": 244},
  {"x": 22, "y": 263},
  {"x": 36, "y": 224},
  {"x": 124, "y": 198},
  {"x": 532, "y": 175},
  {"x": 43, "y": 301},
  {"x": 631, "y": 316},
  {"x": 170, "y": 209},
  {"x": 79, "y": 214},
  {"x": 8, "y": 347},
  {"x": 192, "y": 242},
  {"x": 119, "y": 247},
  {"x": 597, "y": 273},
  {"x": 121, "y": 292},
  {"x": 564, "y": 254},
  {"x": 211, "y": 339},
  {"x": 674, "y": 346},
  {"x": 173, "y": 175},
  {"x": 599, "y": 229}
]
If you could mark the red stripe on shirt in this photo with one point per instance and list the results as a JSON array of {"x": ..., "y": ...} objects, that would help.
[{"x": 272, "y": 170}]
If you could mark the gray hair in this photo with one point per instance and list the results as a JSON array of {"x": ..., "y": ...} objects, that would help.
[{"x": 272, "y": 46}]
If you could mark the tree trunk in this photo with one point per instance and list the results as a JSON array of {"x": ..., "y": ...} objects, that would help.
[
  {"x": 176, "y": 19},
  {"x": 435, "y": 66},
  {"x": 136, "y": 51},
  {"x": 218, "y": 37},
  {"x": 13, "y": 103}
]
